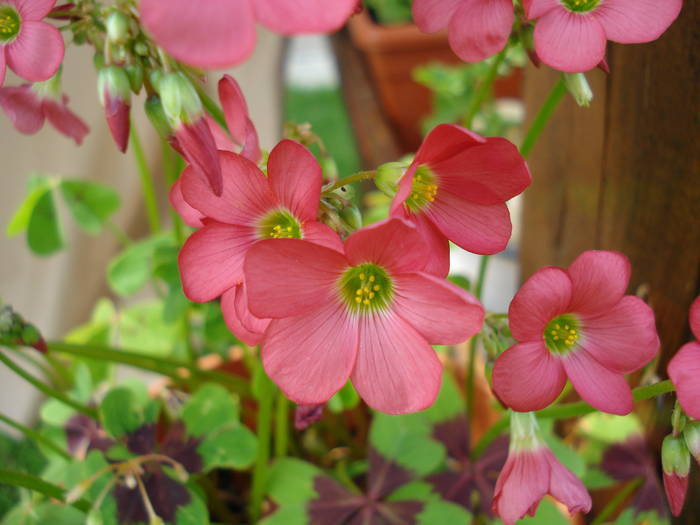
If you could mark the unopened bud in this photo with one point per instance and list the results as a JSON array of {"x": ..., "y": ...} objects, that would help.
[
  {"x": 156, "y": 114},
  {"x": 691, "y": 435},
  {"x": 675, "y": 460},
  {"x": 388, "y": 176},
  {"x": 141, "y": 49},
  {"x": 135, "y": 74},
  {"x": 117, "y": 27},
  {"x": 98, "y": 59},
  {"x": 351, "y": 217},
  {"x": 329, "y": 168},
  {"x": 579, "y": 88},
  {"x": 113, "y": 82},
  {"x": 180, "y": 99},
  {"x": 307, "y": 415}
]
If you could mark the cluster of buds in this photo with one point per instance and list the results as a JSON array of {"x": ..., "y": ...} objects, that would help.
[
  {"x": 14, "y": 330},
  {"x": 675, "y": 458}
]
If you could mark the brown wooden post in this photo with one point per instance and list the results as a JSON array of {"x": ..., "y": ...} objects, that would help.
[{"x": 624, "y": 175}]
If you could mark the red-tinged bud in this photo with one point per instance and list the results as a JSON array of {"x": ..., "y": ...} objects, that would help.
[
  {"x": 691, "y": 434},
  {"x": 307, "y": 415},
  {"x": 675, "y": 460},
  {"x": 14, "y": 330},
  {"x": 114, "y": 90}
]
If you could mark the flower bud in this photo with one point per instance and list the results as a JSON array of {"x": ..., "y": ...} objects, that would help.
[
  {"x": 117, "y": 27},
  {"x": 675, "y": 460},
  {"x": 94, "y": 517},
  {"x": 691, "y": 434},
  {"x": 156, "y": 114},
  {"x": 114, "y": 90},
  {"x": 329, "y": 168},
  {"x": 14, "y": 330},
  {"x": 180, "y": 99},
  {"x": 98, "y": 59},
  {"x": 351, "y": 217},
  {"x": 135, "y": 74},
  {"x": 388, "y": 176},
  {"x": 141, "y": 49},
  {"x": 579, "y": 88}
]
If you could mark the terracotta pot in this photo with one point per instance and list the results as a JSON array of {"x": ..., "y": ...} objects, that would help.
[{"x": 392, "y": 53}]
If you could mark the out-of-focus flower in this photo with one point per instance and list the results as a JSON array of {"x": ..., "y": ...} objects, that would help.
[
  {"x": 684, "y": 368},
  {"x": 675, "y": 460},
  {"x": 576, "y": 323},
  {"x": 691, "y": 434},
  {"x": 114, "y": 90},
  {"x": 307, "y": 415}
]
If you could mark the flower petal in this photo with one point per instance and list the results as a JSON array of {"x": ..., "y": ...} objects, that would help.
[
  {"x": 433, "y": 15},
  {"x": 295, "y": 178},
  {"x": 288, "y": 277},
  {"x": 191, "y": 216},
  {"x": 37, "y": 52},
  {"x": 33, "y": 9},
  {"x": 527, "y": 377},
  {"x": 695, "y": 317},
  {"x": 541, "y": 298},
  {"x": 489, "y": 173},
  {"x": 235, "y": 107},
  {"x": 566, "y": 488},
  {"x": 243, "y": 324},
  {"x": 23, "y": 107},
  {"x": 440, "y": 311},
  {"x": 393, "y": 243},
  {"x": 569, "y": 42},
  {"x": 684, "y": 371},
  {"x": 310, "y": 356},
  {"x": 599, "y": 279},
  {"x": 319, "y": 233},
  {"x": 601, "y": 388},
  {"x": 65, "y": 121},
  {"x": 303, "y": 16},
  {"x": 522, "y": 483},
  {"x": 246, "y": 194},
  {"x": 221, "y": 139},
  {"x": 212, "y": 34},
  {"x": 477, "y": 228},
  {"x": 623, "y": 339},
  {"x": 480, "y": 29},
  {"x": 436, "y": 244},
  {"x": 676, "y": 488},
  {"x": 397, "y": 371},
  {"x": 537, "y": 8},
  {"x": 199, "y": 149},
  {"x": 211, "y": 261},
  {"x": 636, "y": 21}
]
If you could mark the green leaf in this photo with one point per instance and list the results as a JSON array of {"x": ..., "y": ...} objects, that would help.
[
  {"x": 291, "y": 481},
  {"x": 128, "y": 272},
  {"x": 20, "y": 220},
  {"x": 547, "y": 514},
  {"x": 442, "y": 513},
  {"x": 448, "y": 404},
  {"x": 209, "y": 408},
  {"x": 143, "y": 326},
  {"x": 44, "y": 235},
  {"x": 194, "y": 513},
  {"x": 295, "y": 515},
  {"x": 90, "y": 203},
  {"x": 230, "y": 447},
  {"x": 595, "y": 479},
  {"x": 345, "y": 399},
  {"x": 416, "y": 490},
  {"x": 120, "y": 412},
  {"x": 56, "y": 413}
]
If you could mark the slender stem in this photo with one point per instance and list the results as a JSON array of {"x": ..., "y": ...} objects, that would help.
[
  {"x": 484, "y": 89},
  {"x": 46, "y": 389},
  {"x": 282, "y": 426},
  {"x": 619, "y": 498},
  {"x": 266, "y": 398},
  {"x": 20, "y": 479},
  {"x": 212, "y": 107},
  {"x": 355, "y": 177},
  {"x": 538, "y": 125},
  {"x": 118, "y": 233},
  {"x": 492, "y": 433},
  {"x": 172, "y": 164},
  {"x": 36, "y": 436},
  {"x": 473, "y": 343},
  {"x": 147, "y": 184},
  {"x": 481, "y": 276}
]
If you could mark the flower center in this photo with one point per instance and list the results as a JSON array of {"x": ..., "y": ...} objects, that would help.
[
  {"x": 562, "y": 334},
  {"x": 9, "y": 23},
  {"x": 366, "y": 288},
  {"x": 580, "y": 6},
  {"x": 279, "y": 224},
  {"x": 423, "y": 191}
]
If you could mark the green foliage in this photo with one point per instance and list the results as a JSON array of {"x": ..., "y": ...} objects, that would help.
[
  {"x": 44, "y": 235},
  {"x": 346, "y": 398},
  {"x": 547, "y": 514},
  {"x": 129, "y": 271},
  {"x": 123, "y": 410},
  {"x": 390, "y": 11},
  {"x": 290, "y": 484},
  {"x": 443, "y": 512},
  {"x": 210, "y": 407},
  {"x": 90, "y": 204}
]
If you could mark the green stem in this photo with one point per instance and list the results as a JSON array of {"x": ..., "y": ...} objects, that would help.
[
  {"x": 473, "y": 343},
  {"x": 355, "y": 177},
  {"x": 19, "y": 479},
  {"x": 265, "y": 401},
  {"x": 147, "y": 184},
  {"x": 172, "y": 165},
  {"x": 619, "y": 498},
  {"x": 212, "y": 107},
  {"x": 282, "y": 426},
  {"x": 36, "y": 436},
  {"x": 118, "y": 233},
  {"x": 492, "y": 433},
  {"x": 540, "y": 121},
  {"x": 46, "y": 389},
  {"x": 484, "y": 89}
]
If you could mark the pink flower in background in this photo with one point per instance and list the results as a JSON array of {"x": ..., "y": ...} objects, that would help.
[
  {"x": 476, "y": 29},
  {"x": 684, "y": 368},
  {"x": 456, "y": 189},
  {"x": 369, "y": 314},
  {"x": 576, "y": 324},
  {"x": 571, "y": 35},
  {"x": 530, "y": 473},
  {"x": 251, "y": 207},
  {"x": 221, "y": 33},
  {"x": 29, "y": 106},
  {"x": 29, "y": 46}
]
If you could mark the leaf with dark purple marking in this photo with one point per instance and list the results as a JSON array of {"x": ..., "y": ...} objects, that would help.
[
  {"x": 334, "y": 503},
  {"x": 83, "y": 434}
]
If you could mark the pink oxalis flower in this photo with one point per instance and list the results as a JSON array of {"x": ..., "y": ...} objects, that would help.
[
  {"x": 29, "y": 106},
  {"x": 531, "y": 472},
  {"x": 476, "y": 29},
  {"x": 251, "y": 207},
  {"x": 29, "y": 46},
  {"x": 369, "y": 313},
  {"x": 571, "y": 35},
  {"x": 221, "y": 33},
  {"x": 576, "y": 323},
  {"x": 684, "y": 368},
  {"x": 456, "y": 189}
]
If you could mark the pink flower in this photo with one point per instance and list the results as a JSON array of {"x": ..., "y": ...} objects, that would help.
[
  {"x": 29, "y": 106},
  {"x": 369, "y": 313},
  {"x": 251, "y": 207},
  {"x": 456, "y": 189},
  {"x": 684, "y": 368},
  {"x": 576, "y": 323},
  {"x": 29, "y": 46},
  {"x": 570, "y": 35},
  {"x": 530, "y": 473},
  {"x": 220, "y": 33},
  {"x": 476, "y": 29}
]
